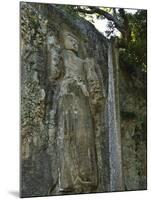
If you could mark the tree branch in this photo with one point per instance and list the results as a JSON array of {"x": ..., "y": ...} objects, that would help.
[{"x": 107, "y": 15}]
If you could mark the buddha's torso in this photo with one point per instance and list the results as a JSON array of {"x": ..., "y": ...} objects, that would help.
[{"x": 73, "y": 66}]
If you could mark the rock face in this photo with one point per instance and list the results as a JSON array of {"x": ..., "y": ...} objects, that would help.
[
  {"x": 133, "y": 127},
  {"x": 71, "y": 111}
]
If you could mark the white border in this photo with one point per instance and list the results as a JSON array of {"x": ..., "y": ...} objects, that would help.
[{"x": 9, "y": 99}]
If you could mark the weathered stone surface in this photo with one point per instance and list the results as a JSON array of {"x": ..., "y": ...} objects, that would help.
[
  {"x": 71, "y": 97},
  {"x": 133, "y": 128}
]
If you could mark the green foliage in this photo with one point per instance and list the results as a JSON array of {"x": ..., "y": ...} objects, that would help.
[{"x": 136, "y": 52}]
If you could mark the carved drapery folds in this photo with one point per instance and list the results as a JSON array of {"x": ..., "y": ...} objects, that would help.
[{"x": 79, "y": 94}]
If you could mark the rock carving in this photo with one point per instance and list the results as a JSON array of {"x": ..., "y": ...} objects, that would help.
[{"x": 75, "y": 131}]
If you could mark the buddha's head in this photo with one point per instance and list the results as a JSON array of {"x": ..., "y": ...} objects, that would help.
[{"x": 70, "y": 42}]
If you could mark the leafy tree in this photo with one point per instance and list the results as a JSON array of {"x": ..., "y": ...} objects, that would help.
[{"x": 136, "y": 52}]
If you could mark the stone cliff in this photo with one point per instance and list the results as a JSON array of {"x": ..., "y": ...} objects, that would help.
[{"x": 83, "y": 129}]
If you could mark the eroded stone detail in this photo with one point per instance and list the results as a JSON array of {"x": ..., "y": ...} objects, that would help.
[
  {"x": 79, "y": 97},
  {"x": 64, "y": 108},
  {"x": 76, "y": 135}
]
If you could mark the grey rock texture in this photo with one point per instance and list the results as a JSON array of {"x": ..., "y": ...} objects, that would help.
[
  {"x": 75, "y": 137},
  {"x": 134, "y": 128}
]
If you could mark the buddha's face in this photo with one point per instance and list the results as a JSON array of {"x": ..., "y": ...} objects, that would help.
[{"x": 71, "y": 43}]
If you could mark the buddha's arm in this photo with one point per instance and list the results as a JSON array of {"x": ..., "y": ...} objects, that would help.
[
  {"x": 55, "y": 66},
  {"x": 95, "y": 86},
  {"x": 91, "y": 75}
]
